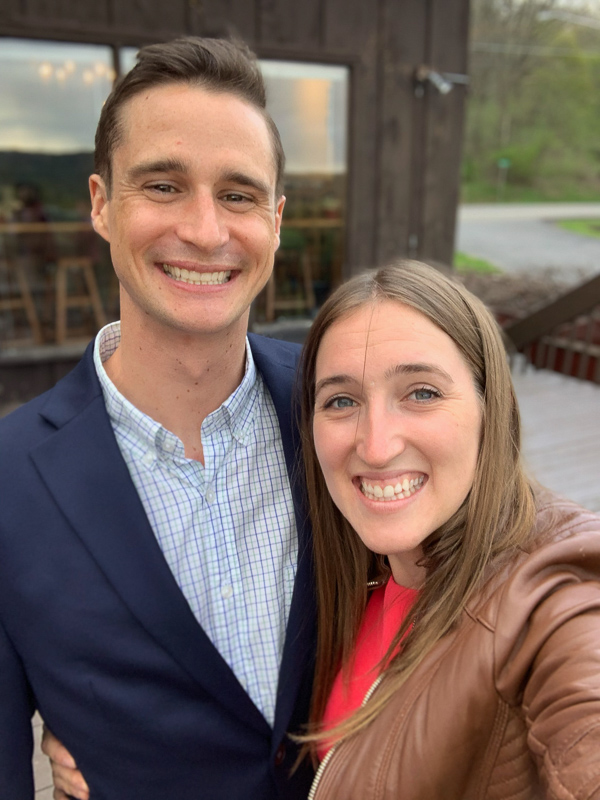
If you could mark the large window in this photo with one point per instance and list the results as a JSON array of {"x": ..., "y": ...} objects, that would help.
[
  {"x": 309, "y": 105},
  {"x": 56, "y": 282}
]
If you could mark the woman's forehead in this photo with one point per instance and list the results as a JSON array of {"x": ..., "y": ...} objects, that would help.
[
  {"x": 381, "y": 322},
  {"x": 381, "y": 336}
]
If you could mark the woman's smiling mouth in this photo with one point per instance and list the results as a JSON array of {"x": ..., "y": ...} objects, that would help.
[{"x": 385, "y": 491}]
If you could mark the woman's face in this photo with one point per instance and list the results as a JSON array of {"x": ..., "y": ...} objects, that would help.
[{"x": 396, "y": 428}]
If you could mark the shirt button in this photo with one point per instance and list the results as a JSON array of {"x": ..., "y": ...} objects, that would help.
[
  {"x": 280, "y": 755},
  {"x": 226, "y": 592},
  {"x": 147, "y": 459},
  {"x": 211, "y": 495}
]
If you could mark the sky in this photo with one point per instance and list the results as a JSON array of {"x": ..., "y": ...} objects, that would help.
[{"x": 580, "y": 6}]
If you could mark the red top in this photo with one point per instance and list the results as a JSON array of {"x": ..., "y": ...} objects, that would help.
[{"x": 386, "y": 609}]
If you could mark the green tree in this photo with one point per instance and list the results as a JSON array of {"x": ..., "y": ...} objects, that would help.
[{"x": 533, "y": 98}]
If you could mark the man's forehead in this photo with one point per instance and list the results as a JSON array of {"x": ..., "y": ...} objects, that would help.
[
  {"x": 133, "y": 121},
  {"x": 155, "y": 97}
]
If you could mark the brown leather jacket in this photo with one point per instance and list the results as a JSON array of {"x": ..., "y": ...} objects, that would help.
[{"x": 508, "y": 704}]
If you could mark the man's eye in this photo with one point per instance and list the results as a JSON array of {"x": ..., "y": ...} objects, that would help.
[
  {"x": 162, "y": 188},
  {"x": 236, "y": 197}
]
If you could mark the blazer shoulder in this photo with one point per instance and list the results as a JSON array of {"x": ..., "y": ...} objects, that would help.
[
  {"x": 24, "y": 423},
  {"x": 276, "y": 350},
  {"x": 30, "y": 423}
]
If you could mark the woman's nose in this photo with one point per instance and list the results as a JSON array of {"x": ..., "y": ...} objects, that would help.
[{"x": 379, "y": 437}]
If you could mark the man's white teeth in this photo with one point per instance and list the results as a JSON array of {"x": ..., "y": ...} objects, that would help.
[
  {"x": 197, "y": 278},
  {"x": 398, "y": 491}
]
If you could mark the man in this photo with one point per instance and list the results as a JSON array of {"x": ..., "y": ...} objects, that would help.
[{"x": 153, "y": 546}]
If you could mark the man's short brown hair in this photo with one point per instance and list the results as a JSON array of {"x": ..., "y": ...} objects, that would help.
[{"x": 219, "y": 65}]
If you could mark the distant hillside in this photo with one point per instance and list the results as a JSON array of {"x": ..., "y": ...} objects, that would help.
[{"x": 61, "y": 179}]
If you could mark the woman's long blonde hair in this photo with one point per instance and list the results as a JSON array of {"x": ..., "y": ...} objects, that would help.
[{"x": 496, "y": 516}]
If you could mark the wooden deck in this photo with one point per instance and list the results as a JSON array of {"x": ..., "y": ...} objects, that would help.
[{"x": 561, "y": 433}]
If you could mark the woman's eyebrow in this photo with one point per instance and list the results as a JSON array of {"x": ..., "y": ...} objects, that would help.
[
  {"x": 414, "y": 368},
  {"x": 397, "y": 369},
  {"x": 334, "y": 380}
]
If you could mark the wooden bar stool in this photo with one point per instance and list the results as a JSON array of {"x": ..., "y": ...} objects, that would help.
[
  {"x": 305, "y": 303},
  {"x": 20, "y": 299},
  {"x": 90, "y": 299}
]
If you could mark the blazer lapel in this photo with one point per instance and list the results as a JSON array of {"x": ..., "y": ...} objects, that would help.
[
  {"x": 277, "y": 363},
  {"x": 82, "y": 466}
]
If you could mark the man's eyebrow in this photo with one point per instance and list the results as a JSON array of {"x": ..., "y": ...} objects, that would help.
[
  {"x": 334, "y": 380},
  {"x": 415, "y": 368},
  {"x": 243, "y": 179},
  {"x": 160, "y": 165}
]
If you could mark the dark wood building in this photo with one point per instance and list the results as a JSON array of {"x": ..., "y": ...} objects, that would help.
[{"x": 406, "y": 62}]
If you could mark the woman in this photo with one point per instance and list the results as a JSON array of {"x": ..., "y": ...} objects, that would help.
[
  {"x": 478, "y": 649},
  {"x": 464, "y": 608}
]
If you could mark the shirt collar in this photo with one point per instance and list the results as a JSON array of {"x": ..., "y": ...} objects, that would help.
[
  {"x": 142, "y": 433},
  {"x": 237, "y": 412}
]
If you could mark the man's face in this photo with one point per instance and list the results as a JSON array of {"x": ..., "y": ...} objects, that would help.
[{"x": 192, "y": 221}]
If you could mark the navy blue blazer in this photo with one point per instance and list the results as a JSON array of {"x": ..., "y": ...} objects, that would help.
[{"x": 96, "y": 634}]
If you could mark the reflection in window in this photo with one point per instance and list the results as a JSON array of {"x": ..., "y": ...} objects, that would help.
[
  {"x": 55, "y": 279},
  {"x": 309, "y": 105},
  {"x": 127, "y": 58}
]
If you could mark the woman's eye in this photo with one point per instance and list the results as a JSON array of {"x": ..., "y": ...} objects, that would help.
[
  {"x": 424, "y": 394},
  {"x": 340, "y": 402}
]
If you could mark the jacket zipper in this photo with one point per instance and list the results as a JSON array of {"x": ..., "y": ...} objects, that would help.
[{"x": 328, "y": 757}]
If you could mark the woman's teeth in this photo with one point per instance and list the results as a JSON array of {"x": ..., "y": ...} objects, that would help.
[
  {"x": 389, "y": 491},
  {"x": 197, "y": 278}
]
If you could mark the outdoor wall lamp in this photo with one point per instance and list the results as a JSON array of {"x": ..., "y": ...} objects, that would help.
[{"x": 443, "y": 81}]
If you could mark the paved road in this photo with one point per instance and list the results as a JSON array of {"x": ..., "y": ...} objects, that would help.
[{"x": 525, "y": 238}]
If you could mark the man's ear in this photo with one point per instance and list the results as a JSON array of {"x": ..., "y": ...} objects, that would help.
[
  {"x": 278, "y": 217},
  {"x": 100, "y": 201}
]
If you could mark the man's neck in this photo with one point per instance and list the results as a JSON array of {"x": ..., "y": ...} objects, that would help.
[{"x": 178, "y": 379}]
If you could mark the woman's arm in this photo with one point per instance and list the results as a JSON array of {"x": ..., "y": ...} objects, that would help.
[
  {"x": 561, "y": 699},
  {"x": 65, "y": 776}
]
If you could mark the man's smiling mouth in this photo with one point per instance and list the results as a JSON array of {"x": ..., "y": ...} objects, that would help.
[
  {"x": 197, "y": 278},
  {"x": 386, "y": 491}
]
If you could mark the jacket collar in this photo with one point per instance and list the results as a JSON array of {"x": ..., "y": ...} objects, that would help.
[{"x": 278, "y": 364}]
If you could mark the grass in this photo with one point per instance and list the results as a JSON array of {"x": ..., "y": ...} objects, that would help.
[
  {"x": 586, "y": 227},
  {"x": 549, "y": 192},
  {"x": 467, "y": 263}
]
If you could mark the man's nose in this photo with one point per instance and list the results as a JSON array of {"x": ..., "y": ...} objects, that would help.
[
  {"x": 203, "y": 223},
  {"x": 380, "y": 437}
]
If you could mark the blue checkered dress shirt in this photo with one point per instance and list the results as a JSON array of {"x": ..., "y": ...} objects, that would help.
[{"x": 227, "y": 529}]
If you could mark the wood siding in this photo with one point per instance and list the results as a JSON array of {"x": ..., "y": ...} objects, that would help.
[{"x": 404, "y": 146}]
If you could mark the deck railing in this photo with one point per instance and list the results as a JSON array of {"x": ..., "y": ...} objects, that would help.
[{"x": 564, "y": 336}]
